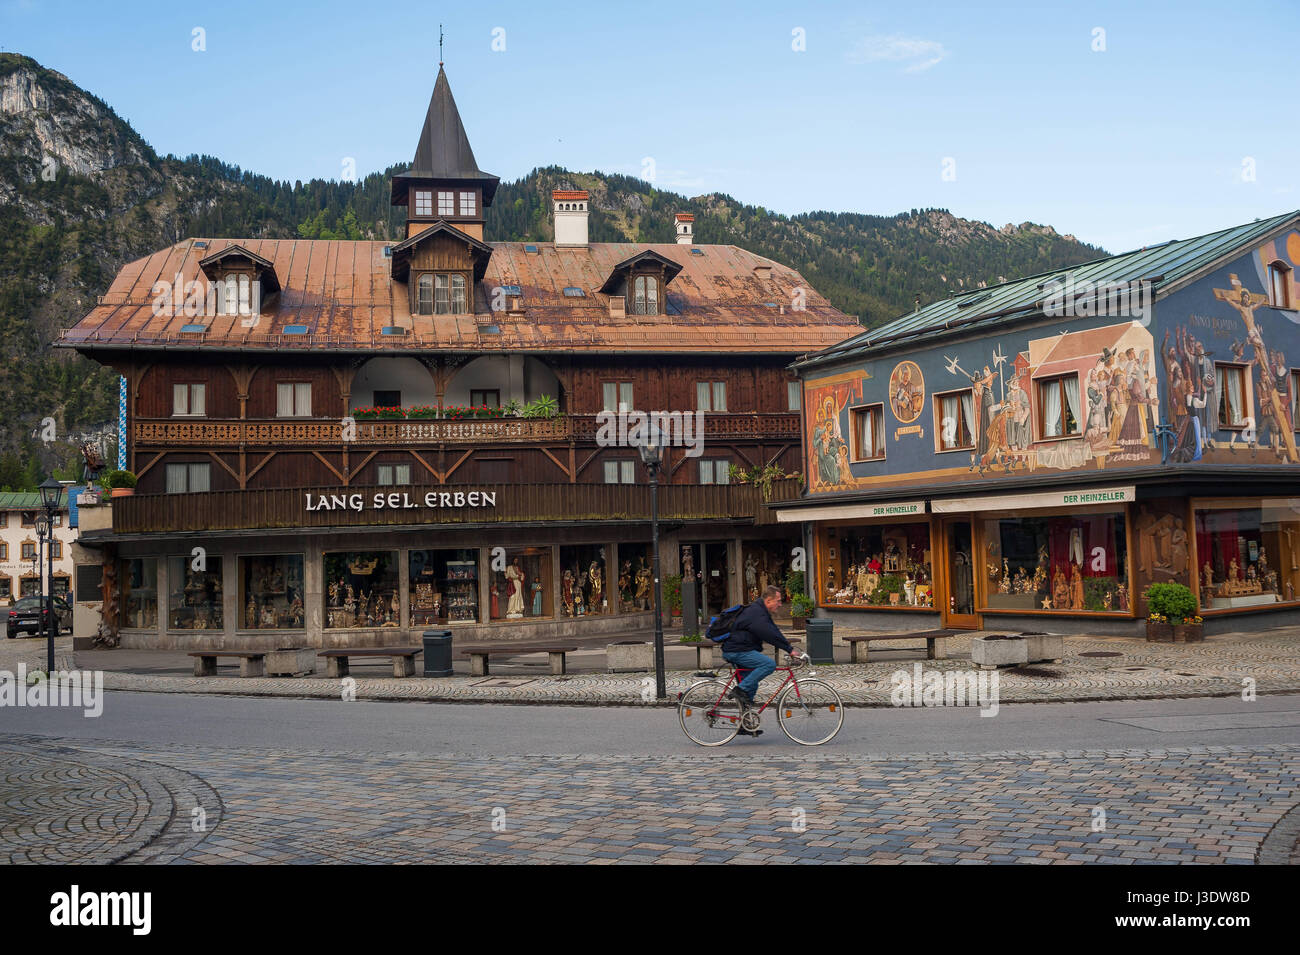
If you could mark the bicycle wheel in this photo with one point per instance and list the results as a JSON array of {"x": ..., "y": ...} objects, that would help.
[
  {"x": 810, "y": 713},
  {"x": 706, "y": 717}
]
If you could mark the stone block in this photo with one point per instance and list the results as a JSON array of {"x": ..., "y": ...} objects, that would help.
[
  {"x": 992, "y": 652},
  {"x": 629, "y": 657}
]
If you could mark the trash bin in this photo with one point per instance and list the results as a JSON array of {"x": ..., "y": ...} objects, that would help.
[
  {"x": 821, "y": 639},
  {"x": 437, "y": 653}
]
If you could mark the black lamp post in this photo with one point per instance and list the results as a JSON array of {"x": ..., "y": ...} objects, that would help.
[
  {"x": 51, "y": 494},
  {"x": 652, "y": 456}
]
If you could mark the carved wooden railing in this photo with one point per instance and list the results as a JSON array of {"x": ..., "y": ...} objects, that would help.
[
  {"x": 214, "y": 433},
  {"x": 288, "y": 507}
]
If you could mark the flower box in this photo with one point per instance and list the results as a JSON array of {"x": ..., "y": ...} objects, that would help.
[
  {"x": 798, "y": 623},
  {"x": 1160, "y": 632},
  {"x": 1189, "y": 632}
]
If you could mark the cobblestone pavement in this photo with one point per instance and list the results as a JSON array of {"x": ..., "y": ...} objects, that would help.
[
  {"x": 135, "y": 803},
  {"x": 1138, "y": 670}
]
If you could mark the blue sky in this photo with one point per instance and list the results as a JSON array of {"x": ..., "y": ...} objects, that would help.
[{"x": 1174, "y": 121}]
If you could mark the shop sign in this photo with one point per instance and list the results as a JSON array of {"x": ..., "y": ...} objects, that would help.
[
  {"x": 400, "y": 500},
  {"x": 1072, "y": 497},
  {"x": 835, "y": 512}
]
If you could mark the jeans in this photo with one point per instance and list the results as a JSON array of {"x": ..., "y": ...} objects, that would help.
[{"x": 758, "y": 664}]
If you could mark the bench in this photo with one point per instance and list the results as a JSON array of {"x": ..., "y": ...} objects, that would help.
[
  {"x": 936, "y": 643},
  {"x": 336, "y": 661},
  {"x": 703, "y": 652},
  {"x": 478, "y": 657},
  {"x": 251, "y": 662}
]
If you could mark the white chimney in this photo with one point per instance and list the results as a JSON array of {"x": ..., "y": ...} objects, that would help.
[
  {"x": 685, "y": 224},
  {"x": 570, "y": 207}
]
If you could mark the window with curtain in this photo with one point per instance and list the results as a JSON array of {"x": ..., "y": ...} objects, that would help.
[
  {"x": 424, "y": 294},
  {"x": 1295, "y": 400},
  {"x": 868, "y": 433},
  {"x": 185, "y": 478},
  {"x": 1230, "y": 385},
  {"x": 955, "y": 420},
  {"x": 394, "y": 474},
  {"x": 645, "y": 295},
  {"x": 616, "y": 395},
  {"x": 711, "y": 396},
  {"x": 620, "y": 472},
  {"x": 188, "y": 399},
  {"x": 793, "y": 395},
  {"x": 29, "y": 551},
  {"x": 715, "y": 471},
  {"x": 1058, "y": 406},
  {"x": 1279, "y": 285},
  {"x": 293, "y": 399}
]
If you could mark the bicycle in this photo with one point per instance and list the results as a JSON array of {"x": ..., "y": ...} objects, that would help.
[{"x": 809, "y": 712}]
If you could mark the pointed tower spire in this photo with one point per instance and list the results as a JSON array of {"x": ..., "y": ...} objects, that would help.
[{"x": 438, "y": 184}]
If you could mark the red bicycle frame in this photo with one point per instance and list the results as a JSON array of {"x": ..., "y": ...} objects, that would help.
[{"x": 735, "y": 678}]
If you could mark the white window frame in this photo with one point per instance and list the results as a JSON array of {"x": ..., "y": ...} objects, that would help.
[
  {"x": 424, "y": 202},
  {"x": 446, "y": 203},
  {"x": 293, "y": 399},
  {"x": 468, "y": 203},
  {"x": 183, "y": 400}
]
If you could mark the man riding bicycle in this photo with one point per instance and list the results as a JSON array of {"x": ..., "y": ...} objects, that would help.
[{"x": 744, "y": 647}]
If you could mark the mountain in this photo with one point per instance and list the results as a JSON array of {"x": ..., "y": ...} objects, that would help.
[{"x": 81, "y": 194}]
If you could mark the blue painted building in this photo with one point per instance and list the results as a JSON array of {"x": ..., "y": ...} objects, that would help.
[{"x": 1051, "y": 446}]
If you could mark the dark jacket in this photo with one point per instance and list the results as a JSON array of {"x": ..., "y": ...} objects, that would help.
[{"x": 752, "y": 629}]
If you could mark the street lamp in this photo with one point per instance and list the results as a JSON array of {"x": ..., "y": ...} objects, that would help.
[
  {"x": 652, "y": 456},
  {"x": 51, "y": 494}
]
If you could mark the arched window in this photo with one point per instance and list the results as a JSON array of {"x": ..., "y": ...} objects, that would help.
[
  {"x": 1279, "y": 285},
  {"x": 424, "y": 300},
  {"x": 645, "y": 295},
  {"x": 231, "y": 295}
]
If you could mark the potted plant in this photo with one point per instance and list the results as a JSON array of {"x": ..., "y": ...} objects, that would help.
[
  {"x": 793, "y": 584},
  {"x": 1171, "y": 614},
  {"x": 121, "y": 483},
  {"x": 422, "y": 411},
  {"x": 543, "y": 407},
  {"x": 801, "y": 608},
  {"x": 672, "y": 594}
]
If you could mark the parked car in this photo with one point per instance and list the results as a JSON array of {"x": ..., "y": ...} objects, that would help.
[{"x": 28, "y": 616}]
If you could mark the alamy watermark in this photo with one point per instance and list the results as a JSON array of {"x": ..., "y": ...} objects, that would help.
[
  {"x": 924, "y": 687},
  {"x": 236, "y": 295},
  {"x": 67, "y": 688},
  {"x": 634, "y": 429},
  {"x": 1070, "y": 299}
]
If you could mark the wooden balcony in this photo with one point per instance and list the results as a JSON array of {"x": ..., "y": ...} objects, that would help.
[
  {"x": 557, "y": 503},
  {"x": 216, "y": 433}
]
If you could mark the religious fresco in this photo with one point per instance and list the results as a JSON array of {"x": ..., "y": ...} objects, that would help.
[
  {"x": 1260, "y": 405},
  {"x": 907, "y": 392},
  {"x": 829, "y": 400}
]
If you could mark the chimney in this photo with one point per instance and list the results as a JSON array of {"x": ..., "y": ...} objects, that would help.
[
  {"x": 570, "y": 207},
  {"x": 684, "y": 223}
]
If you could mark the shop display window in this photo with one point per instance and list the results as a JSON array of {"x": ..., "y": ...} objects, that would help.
[
  {"x": 361, "y": 590},
  {"x": 1249, "y": 556},
  {"x": 763, "y": 564},
  {"x": 1071, "y": 563},
  {"x": 877, "y": 565},
  {"x": 194, "y": 596},
  {"x": 635, "y": 577},
  {"x": 522, "y": 588},
  {"x": 443, "y": 586},
  {"x": 139, "y": 577},
  {"x": 271, "y": 597},
  {"x": 582, "y": 581}
]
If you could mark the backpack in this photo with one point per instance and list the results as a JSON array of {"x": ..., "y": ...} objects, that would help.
[{"x": 720, "y": 626}]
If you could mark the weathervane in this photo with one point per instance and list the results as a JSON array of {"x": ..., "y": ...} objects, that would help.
[{"x": 440, "y": 44}]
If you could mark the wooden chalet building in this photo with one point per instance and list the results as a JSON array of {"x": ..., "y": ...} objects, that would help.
[{"x": 254, "y": 368}]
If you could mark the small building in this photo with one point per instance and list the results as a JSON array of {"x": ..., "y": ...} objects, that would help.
[
  {"x": 24, "y": 566},
  {"x": 1036, "y": 454},
  {"x": 341, "y": 443}
]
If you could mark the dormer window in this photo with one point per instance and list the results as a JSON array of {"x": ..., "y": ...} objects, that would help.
[
  {"x": 424, "y": 296},
  {"x": 1279, "y": 285},
  {"x": 423, "y": 202},
  {"x": 441, "y": 293},
  {"x": 645, "y": 295},
  {"x": 237, "y": 292}
]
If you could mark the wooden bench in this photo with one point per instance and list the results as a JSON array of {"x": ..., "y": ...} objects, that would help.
[
  {"x": 478, "y": 657},
  {"x": 251, "y": 662},
  {"x": 336, "y": 661},
  {"x": 936, "y": 643}
]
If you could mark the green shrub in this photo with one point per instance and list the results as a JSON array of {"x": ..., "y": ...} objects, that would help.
[
  {"x": 801, "y": 606},
  {"x": 115, "y": 479},
  {"x": 794, "y": 583},
  {"x": 1174, "y": 602},
  {"x": 672, "y": 590}
]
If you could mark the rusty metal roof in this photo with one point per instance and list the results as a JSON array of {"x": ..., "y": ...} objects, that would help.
[{"x": 344, "y": 295}]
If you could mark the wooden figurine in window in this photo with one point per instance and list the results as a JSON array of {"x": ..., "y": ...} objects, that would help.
[
  {"x": 1060, "y": 590},
  {"x": 537, "y": 597},
  {"x": 566, "y": 593},
  {"x": 1122, "y": 595},
  {"x": 644, "y": 581},
  {"x": 514, "y": 590},
  {"x": 596, "y": 574},
  {"x": 268, "y": 616},
  {"x": 1076, "y": 588},
  {"x": 250, "y": 613}
]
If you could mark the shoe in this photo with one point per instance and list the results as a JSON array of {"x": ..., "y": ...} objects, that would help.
[
  {"x": 745, "y": 732},
  {"x": 741, "y": 697}
]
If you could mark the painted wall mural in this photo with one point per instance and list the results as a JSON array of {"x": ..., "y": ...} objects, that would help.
[{"x": 1207, "y": 380}]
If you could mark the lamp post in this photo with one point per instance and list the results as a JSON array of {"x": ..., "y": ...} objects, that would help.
[
  {"x": 51, "y": 494},
  {"x": 652, "y": 455}
]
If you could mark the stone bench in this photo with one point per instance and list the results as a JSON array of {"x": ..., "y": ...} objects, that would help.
[
  {"x": 703, "y": 652},
  {"x": 936, "y": 643},
  {"x": 251, "y": 662},
  {"x": 337, "y": 666},
  {"x": 478, "y": 657}
]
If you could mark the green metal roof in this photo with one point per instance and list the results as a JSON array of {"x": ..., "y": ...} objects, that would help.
[
  {"x": 20, "y": 500},
  {"x": 1163, "y": 265}
]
